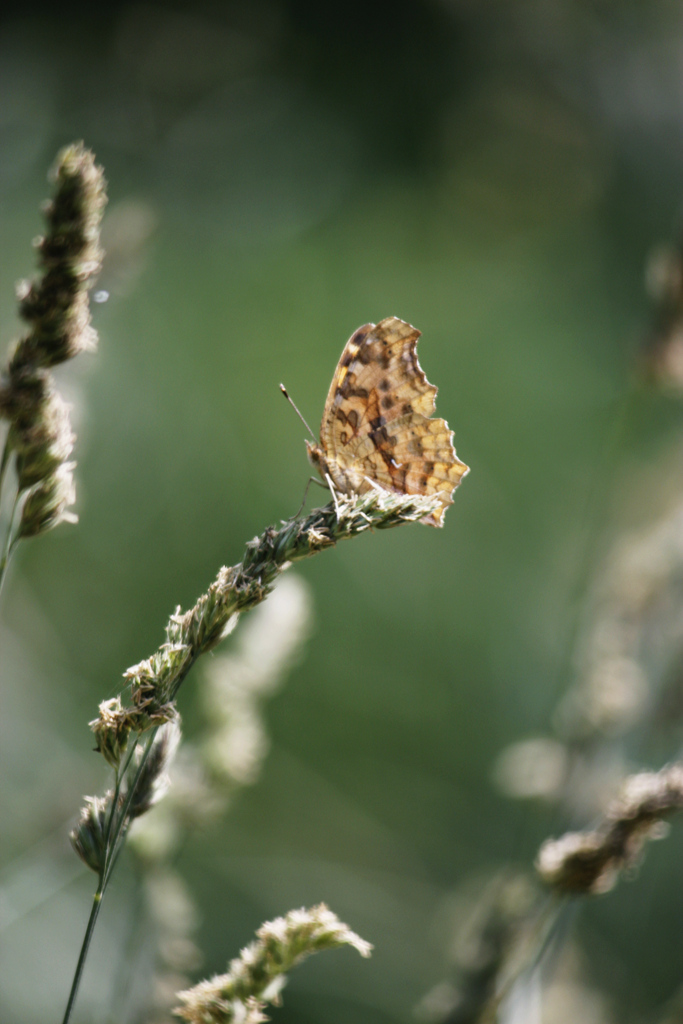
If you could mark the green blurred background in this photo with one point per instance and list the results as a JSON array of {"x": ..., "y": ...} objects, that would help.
[{"x": 280, "y": 173}]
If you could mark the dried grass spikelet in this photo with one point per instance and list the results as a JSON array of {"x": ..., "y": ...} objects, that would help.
[
  {"x": 42, "y": 445},
  {"x": 112, "y": 728},
  {"x": 89, "y": 837},
  {"x": 144, "y": 783},
  {"x": 47, "y": 502},
  {"x": 258, "y": 974},
  {"x": 115, "y": 723},
  {"x": 154, "y": 682},
  {"x": 591, "y": 862},
  {"x": 153, "y": 780},
  {"x": 55, "y": 307},
  {"x": 228, "y": 751}
]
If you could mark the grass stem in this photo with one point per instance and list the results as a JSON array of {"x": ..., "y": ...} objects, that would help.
[
  {"x": 4, "y": 463},
  {"x": 87, "y": 938},
  {"x": 116, "y": 832},
  {"x": 10, "y": 542}
]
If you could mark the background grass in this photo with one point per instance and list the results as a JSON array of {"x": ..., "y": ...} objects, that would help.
[{"x": 279, "y": 174}]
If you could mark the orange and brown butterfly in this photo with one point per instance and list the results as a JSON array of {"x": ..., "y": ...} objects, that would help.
[{"x": 377, "y": 426}]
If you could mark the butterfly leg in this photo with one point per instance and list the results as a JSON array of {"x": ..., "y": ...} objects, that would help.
[
  {"x": 334, "y": 493},
  {"x": 311, "y": 480}
]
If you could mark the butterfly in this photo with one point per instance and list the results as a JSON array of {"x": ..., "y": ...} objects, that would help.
[{"x": 377, "y": 427}]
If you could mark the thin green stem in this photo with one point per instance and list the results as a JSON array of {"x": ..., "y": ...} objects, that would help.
[
  {"x": 117, "y": 828},
  {"x": 87, "y": 938},
  {"x": 116, "y": 852},
  {"x": 10, "y": 541},
  {"x": 119, "y": 776},
  {"x": 114, "y": 845},
  {"x": 4, "y": 463}
]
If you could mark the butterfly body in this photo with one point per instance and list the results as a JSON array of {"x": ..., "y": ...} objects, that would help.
[{"x": 377, "y": 427}]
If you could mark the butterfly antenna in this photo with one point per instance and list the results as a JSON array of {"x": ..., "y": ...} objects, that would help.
[{"x": 284, "y": 391}]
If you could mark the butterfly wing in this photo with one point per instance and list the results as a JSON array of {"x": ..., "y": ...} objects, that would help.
[{"x": 377, "y": 424}]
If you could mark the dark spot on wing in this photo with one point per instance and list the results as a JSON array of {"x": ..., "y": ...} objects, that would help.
[
  {"x": 406, "y": 408},
  {"x": 397, "y": 470},
  {"x": 352, "y": 419},
  {"x": 341, "y": 415},
  {"x": 384, "y": 385},
  {"x": 347, "y": 389},
  {"x": 387, "y": 401},
  {"x": 378, "y": 422}
]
